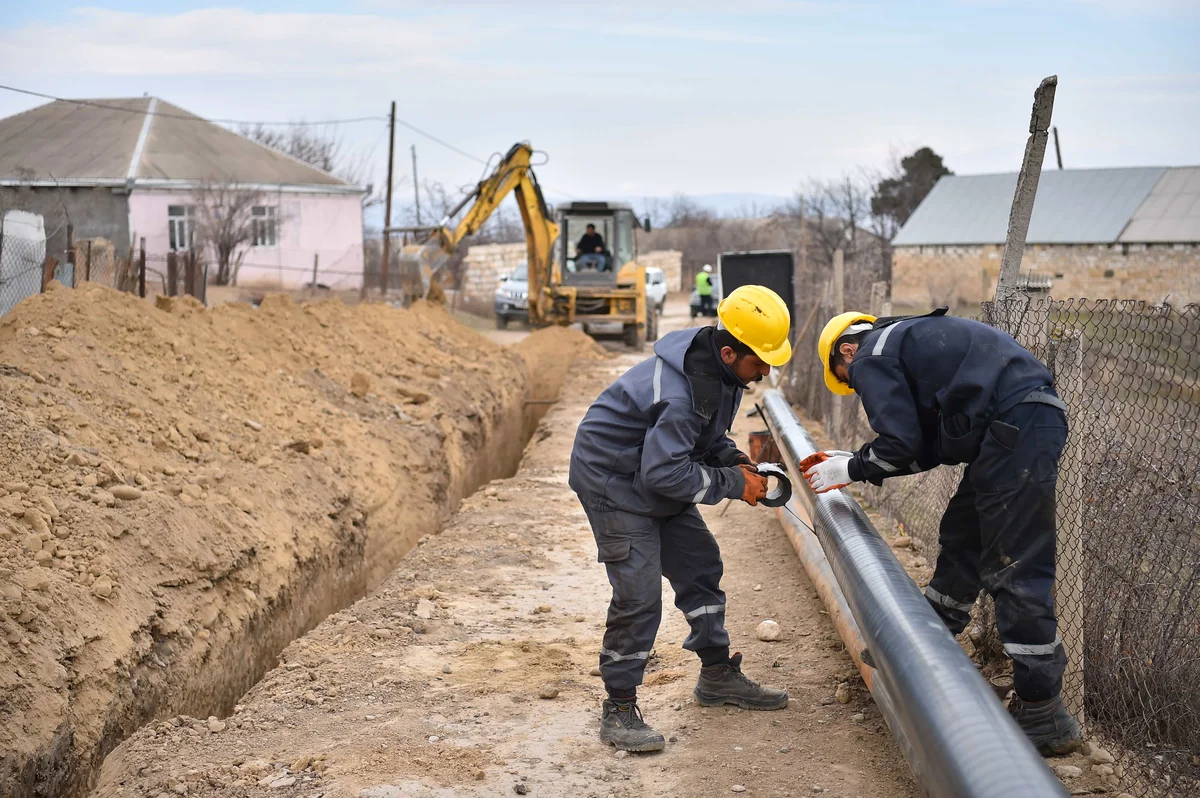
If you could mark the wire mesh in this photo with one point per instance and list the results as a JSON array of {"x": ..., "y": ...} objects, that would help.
[{"x": 1128, "y": 496}]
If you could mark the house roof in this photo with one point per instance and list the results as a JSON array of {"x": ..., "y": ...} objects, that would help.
[
  {"x": 148, "y": 140},
  {"x": 1073, "y": 206}
]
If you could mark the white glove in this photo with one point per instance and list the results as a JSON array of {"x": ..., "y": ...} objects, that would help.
[{"x": 830, "y": 474}]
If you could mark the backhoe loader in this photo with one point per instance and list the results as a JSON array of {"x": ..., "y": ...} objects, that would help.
[{"x": 596, "y": 288}]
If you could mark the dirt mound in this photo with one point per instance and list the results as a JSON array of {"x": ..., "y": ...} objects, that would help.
[{"x": 183, "y": 491}]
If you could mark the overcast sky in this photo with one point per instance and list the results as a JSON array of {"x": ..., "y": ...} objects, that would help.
[{"x": 654, "y": 97}]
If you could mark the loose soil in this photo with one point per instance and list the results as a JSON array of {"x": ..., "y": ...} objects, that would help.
[
  {"x": 185, "y": 491},
  {"x": 430, "y": 686}
]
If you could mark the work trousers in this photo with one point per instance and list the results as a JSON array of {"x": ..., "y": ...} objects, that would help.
[
  {"x": 998, "y": 533},
  {"x": 638, "y": 551},
  {"x": 706, "y": 301}
]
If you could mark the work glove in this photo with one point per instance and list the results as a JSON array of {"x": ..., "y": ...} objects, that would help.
[
  {"x": 744, "y": 459},
  {"x": 830, "y": 472},
  {"x": 756, "y": 486}
]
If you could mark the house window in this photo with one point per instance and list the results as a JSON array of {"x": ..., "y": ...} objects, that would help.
[
  {"x": 263, "y": 219},
  {"x": 181, "y": 226}
]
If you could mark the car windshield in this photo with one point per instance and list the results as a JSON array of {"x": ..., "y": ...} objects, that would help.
[{"x": 520, "y": 274}]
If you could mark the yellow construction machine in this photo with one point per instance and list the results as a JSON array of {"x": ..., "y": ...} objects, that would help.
[{"x": 565, "y": 286}]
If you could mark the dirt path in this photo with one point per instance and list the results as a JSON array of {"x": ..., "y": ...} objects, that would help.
[{"x": 429, "y": 687}]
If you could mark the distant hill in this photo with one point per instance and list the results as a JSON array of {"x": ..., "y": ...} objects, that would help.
[{"x": 728, "y": 204}]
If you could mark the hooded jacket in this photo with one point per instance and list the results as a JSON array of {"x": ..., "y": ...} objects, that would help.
[
  {"x": 655, "y": 441},
  {"x": 931, "y": 385}
]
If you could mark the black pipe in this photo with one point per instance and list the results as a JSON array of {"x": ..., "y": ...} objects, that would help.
[{"x": 958, "y": 739}]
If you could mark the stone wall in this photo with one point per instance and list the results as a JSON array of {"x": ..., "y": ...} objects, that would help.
[
  {"x": 670, "y": 261},
  {"x": 484, "y": 264},
  {"x": 966, "y": 275},
  {"x": 482, "y": 268}
]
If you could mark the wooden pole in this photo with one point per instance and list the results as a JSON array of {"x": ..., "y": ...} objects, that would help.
[
  {"x": 172, "y": 274},
  {"x": 1057, "y": 150},
  {"x": 71, "y": 252},
  {"x": 416, "y": 186},
  {"x": 839, "y": 281},
  {"x": 312, "y": 289},
  {"x": 839, "y": 306},
  {"x": 87, "y": 263},
  {"x": 48, "y": 267},
  {"x": 142, "y": 267},
  {"x": 387, "y": 213},
  {"x": 189, "y": 273}
]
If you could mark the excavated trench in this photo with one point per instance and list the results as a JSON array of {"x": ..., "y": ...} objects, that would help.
[
  {"x": 172, "y": 680},
  {"x": 204, "y": 600}
]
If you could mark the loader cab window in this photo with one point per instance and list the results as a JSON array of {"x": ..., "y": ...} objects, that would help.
[
  {"x": 591, "y": 231},
  {"x": 623, "y": 241}
]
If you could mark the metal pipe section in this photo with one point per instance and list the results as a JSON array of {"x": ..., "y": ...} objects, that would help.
[
  {"x": 812, "y": 557},
  {"x": 958, "y": 739}
]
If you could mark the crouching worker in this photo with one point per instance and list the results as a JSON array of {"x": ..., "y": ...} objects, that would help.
[
  {"x": 944, "y": 390},
  {"x": 653, "y": 447}
]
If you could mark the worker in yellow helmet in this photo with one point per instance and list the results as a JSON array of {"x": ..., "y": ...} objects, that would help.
[
  {"x": 939, "y": 389},
  {"x": 651, "y": 449}
]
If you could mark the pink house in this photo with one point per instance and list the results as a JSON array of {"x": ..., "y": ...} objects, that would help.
[{"x": 131, "y": 169}]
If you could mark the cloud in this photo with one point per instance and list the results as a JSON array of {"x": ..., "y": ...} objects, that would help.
[
  {"x": 224, "y": 41},
  {"x": 663, "y": 31}
]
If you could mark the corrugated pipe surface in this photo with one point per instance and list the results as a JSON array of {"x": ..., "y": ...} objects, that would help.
[{"x": 958, "y": 739}]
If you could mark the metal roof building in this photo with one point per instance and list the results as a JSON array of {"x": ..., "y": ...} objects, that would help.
[{"x": 1145, "y": 205}]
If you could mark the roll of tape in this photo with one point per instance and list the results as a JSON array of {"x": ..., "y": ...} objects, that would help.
[{"x": 783, "y": 484}]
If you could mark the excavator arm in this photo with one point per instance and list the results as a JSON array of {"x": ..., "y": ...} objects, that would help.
[{"x": 513, "y": 174}]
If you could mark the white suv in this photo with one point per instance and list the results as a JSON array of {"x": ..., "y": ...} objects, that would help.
[{"x": 656, "y": 288}]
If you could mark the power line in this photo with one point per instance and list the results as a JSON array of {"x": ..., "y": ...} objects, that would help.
[
  {"x": 194, "y": 118},
  {"x": 191, "y": 117}
]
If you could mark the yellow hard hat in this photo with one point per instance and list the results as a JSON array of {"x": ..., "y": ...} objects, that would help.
[
  {"x": 758, "y": 318},
  {"x": 833, "y": 331}
]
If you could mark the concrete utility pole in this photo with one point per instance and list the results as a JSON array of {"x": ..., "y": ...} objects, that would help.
[
  {"x": 416, "y": 186},
  {"x": 1027, "y": 183},
  {"x": 1057, "y": 151},
  {"x": 387, "y": 218}
]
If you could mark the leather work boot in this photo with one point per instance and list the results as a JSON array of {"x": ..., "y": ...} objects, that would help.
[
  {"x": 726, "y": 684},
  {"x": 622, "y": 726},
  {"x": 1048, "y": 724}
]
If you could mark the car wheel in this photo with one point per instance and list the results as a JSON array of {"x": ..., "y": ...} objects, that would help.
[{"x": 501, "y": 321}]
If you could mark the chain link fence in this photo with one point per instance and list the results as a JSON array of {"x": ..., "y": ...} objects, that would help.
[{"x": 1128, "y": 583}]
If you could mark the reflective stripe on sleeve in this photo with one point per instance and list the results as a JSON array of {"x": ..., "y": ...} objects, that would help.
[
  {"x": 884, "y": 464},
  {"x": 699, "y": 497}
]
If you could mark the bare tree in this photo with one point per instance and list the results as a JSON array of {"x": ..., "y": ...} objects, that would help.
[
  {"x": 225, "y": 225},
  {"x": 324, "y": 147}
]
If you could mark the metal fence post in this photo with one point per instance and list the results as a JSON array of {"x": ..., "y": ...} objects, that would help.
[
  {"x": 142, "y": 268},
  {"x": 172, "y": 274},
  {"x": 1069, "y": 588},
  {"x": 71, "y": 252}
]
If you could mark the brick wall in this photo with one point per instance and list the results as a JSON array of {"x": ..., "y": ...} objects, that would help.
[
  {"x": 967, "y": 274},
  {"x": 670, "y": 261}
]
